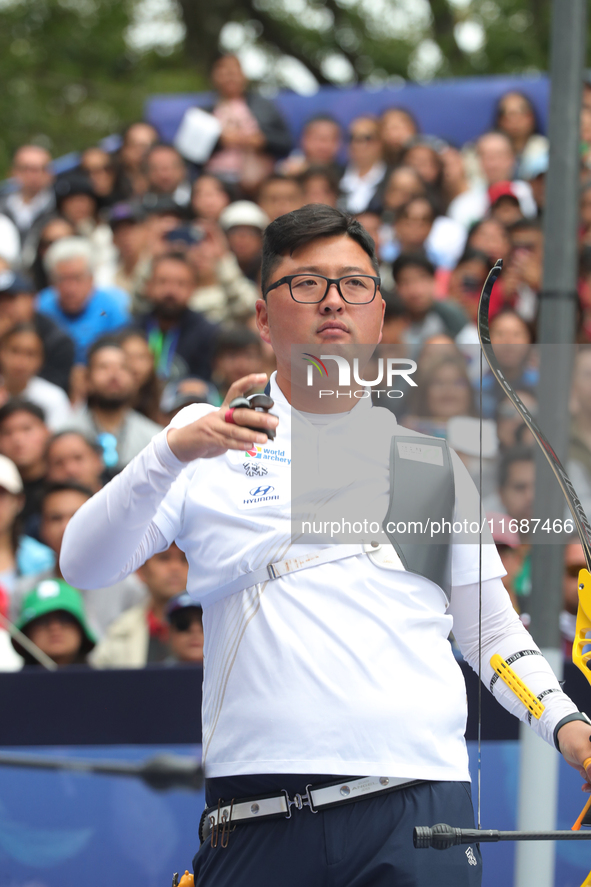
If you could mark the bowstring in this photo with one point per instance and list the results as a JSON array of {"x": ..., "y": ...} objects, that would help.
[{"x": 480, "y": 601}]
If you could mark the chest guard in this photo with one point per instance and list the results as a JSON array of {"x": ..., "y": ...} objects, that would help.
[{"x": 422, "y": 496}]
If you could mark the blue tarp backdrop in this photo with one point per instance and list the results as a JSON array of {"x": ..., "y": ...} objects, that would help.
[{"x": 455, "y": 110}]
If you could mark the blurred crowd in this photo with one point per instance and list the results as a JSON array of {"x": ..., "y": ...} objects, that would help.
[{"x": 128, "y": 289}]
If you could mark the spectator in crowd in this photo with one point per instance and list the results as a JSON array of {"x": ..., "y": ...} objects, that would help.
[
  {"x": 402, "y": 184},
  {"x": 222, "y": 292},
  {"x": 83, "y": 310},
  {"x": 102, "y": 605},
  {"x": 53, "y": 618},
  {"x": 138, "y": 138},
  {"x": 23, "y": 439},
  {"x": 512, "y": 340},
  {"x": 21, "y": 359},
  {"x": 210, "y": 197},
  {"x": 180, "y": 338},
  {"x": 79, "y": 205},
  {"x": 320, "y": 145},
  {"x": 465, "y": 285},
  {"x": 366, "y": 168},
  {"x": 516, "y": 117},
  {"x": 443, "y": 391},
  {"x": 522, "y": 275},
  {"x": 100, "y": 168},
  {"x": 418, "y": 227},
  {"x": 534, "y": 172},
  {"x": 108, "y": 417},
  {"x": 464, "y": 203},
  {"x": 498, "y": 164},
  {"x": 279, "y": 194},
  {"x": 17, "y": 306},
  {"x": 20, "y": 555},
  {"x": 511, "y": 429},
  {"x": 244, "y": 223},
  {"x": 414, "y": 276},
  {"x": 140, "y": 361},
  {"x": 185, "y": 626},
  {"x": 320, "y": 184},
  {"x": 140, "y": 636},
  {"x": 422, "y": 153},
  {"x": 504, "y": 203},
  {"x": 254, "y": 134},
  {"x": 397, "y": 128},
  {"x": 177, "y": 395},
  {"x": 74, "y": 458},
  {"x": 491, "y": 238},
  {"x": 166, "y": 173},
  {"x": 130, "y": 241},
  {"x": 396, "y": 319},
  {"x": 237, "y": 353},
  {"x": 574, "y": 562},
  {"x": 55, "y": 228},
  {"x": 515, "y": 497},
  {"x": 33, "y": 197}
]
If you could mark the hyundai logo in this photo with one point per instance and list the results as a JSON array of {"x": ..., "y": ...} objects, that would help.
[{"x": 260, "y": 491}]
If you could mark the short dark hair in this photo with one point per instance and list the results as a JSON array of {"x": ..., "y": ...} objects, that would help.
[
  {"x": 412, "y": 260},
  {"x": 65, "y": 486},
  {"x": 302, "y": 226},
  {"x": 25, "y": 327},
  {"x": 525, "y": 225},
  {"x": 108, "y": 341},
  {"x": 395, "y": 307},
  {"x": 67, "y": 432},
  {"x": 235, "y": 338},
  {"x": 19, "y": 405},
  {"x": 322, "y": 118},
  {"x": 519, "y": 453},
  {"x": 328, "y": 173}
]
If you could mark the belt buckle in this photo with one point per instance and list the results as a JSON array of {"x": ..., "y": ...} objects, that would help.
[{"x": 299, "y": 801}]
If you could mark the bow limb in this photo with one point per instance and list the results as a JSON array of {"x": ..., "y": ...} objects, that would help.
[{"x": 583, "y": 627}]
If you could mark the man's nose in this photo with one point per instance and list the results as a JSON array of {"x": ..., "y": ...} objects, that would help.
[{"x": 332, "y": 300}]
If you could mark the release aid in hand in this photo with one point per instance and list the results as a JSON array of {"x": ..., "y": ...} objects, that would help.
[{"x": 258, "y": 402}]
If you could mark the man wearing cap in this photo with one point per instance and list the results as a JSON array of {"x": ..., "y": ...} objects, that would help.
[
  {"x": 244, "y": 223},
  {"x": 17, "y": 305},
  {"x": 53, "y": 618},
  {"x": 333, "y": 709},
  {"x": 185, "y": 620}
]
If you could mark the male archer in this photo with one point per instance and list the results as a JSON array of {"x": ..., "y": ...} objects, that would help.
[{"x": 333, "y": 709}]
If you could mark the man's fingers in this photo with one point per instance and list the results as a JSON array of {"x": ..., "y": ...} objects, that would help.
[
  {"x": 248, "y": 418},
  {"x": 241, "y": 386}
]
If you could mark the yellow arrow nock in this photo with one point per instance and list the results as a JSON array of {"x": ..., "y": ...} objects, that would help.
[{"x": 583, "y": 627}]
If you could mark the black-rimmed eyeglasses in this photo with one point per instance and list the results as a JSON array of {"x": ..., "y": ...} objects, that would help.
[{"x": 356, "y": 289}]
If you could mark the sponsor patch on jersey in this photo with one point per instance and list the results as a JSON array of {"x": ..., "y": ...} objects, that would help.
[
  {"x": 418, "y": 452},
  {"x": 261, "y": 494},
  {"x": 268, "y": 454},
  {"x": 254, "y": 469}
]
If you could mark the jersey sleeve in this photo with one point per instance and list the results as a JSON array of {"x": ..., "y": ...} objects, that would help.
[
  {"x": 504, "y": 633},
  {"x": 135, "y": 515}
]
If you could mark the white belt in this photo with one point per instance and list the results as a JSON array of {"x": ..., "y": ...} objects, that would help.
[
  {"x": 292, "y": 565},
  {"x": 219, "y": 821}
]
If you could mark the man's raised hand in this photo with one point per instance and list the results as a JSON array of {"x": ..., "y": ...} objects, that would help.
[{"x": 212, "y": 436}]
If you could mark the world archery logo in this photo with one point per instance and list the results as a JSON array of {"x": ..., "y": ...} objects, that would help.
[{"x": 314, "y": 362}]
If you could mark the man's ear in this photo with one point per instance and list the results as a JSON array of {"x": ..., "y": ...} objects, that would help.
[{"x": 262, "y": 319}]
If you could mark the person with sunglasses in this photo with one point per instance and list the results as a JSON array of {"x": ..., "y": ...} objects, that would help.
[{"x": 333, "y": 707}]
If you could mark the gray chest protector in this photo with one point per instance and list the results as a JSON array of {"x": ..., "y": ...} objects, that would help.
[{"x": 422, "y": 492}]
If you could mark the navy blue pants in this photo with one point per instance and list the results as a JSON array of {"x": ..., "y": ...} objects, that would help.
[{"x": 364, "y": 844}]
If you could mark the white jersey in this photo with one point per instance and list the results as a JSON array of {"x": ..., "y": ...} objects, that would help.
[{"x": 344, "y": 668}]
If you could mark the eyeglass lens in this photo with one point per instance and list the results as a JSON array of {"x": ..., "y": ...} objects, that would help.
[{"x": 309, "y": 288}]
